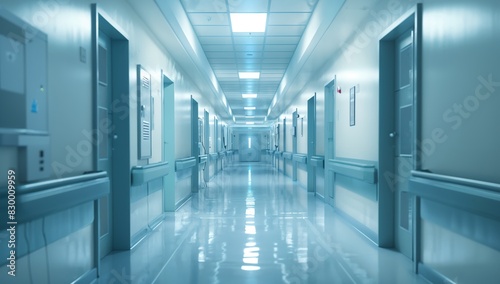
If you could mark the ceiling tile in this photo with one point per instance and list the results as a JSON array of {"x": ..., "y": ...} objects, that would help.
[
  {"x": 275, "y": 60},
  {"x": 280, "y": 47},
  {"x": 278, "y": 54},
  {"x": 215, "y": 54},
  {"x": 204, "y": 6},
  {"x": 285, "y": 30},
  {"x": 249, "y": 40},
  {"x": 248, "y": 47},
  {"x": 218, "y": 47},
  {"x": 215, "y": 40},
  {"x": 212, "y": 30},
  {"x": 283, "y": 40},
  {"x": 221, "y": 61},
  {"x": 248, "y": 61},
  {"x": 249, "y": 55},
  {"x": 254, "y": 6},
  {"x": 209, "y": 19},
  {"x": 283, "y": 19},
  {"x": 293, "y": 6}
]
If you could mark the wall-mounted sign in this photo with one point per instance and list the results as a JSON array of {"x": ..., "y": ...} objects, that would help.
[{"x": 352, "y": 106}]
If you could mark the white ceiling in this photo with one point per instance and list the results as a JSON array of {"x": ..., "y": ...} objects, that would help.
[{"x": 269, "y": 53}]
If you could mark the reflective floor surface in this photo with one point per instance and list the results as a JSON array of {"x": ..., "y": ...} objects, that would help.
[{"x": 251, "y": 224}]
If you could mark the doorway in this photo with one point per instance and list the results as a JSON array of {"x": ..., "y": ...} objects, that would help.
[
  {"x": 111, "y": 123},
  {"x": 195, "y": 148},
  {"x": 311, "y": 143},
  {"x": 168, "y": 133},
  {"x": 249, "y": 149},
  {"x": 399, "y": 95},
  {"x": 330, "y": 91}
]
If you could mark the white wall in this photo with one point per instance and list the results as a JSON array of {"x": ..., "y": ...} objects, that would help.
[{"x": 461, "y": 54}]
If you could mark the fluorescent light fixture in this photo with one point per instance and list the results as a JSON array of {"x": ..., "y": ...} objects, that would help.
[
  {"x": 249, "y": 75},
  {"x": 249, "y": 96},
  {"x": 248, "y": 22},
  {"x": 249, "y": 123},
  {"x": 249, "y": 108}
]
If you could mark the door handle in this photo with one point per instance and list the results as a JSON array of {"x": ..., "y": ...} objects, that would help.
[{"x": 393, "y": 134}]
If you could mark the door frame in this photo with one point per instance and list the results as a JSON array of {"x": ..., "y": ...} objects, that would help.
[
  {"x": 168, "y": 141},
  {"x": 295, "y": 117},
  {"x": 120, "y": 162},
  {"x": 329, "y": 139},
  {"x": 195, "y": 149},
  {"x": 311, "y": 143},
  {"x": 412, "y": 19}
]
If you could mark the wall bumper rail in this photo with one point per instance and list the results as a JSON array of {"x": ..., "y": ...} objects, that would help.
[
  {"x": 317, "y": 161},
  {"x": 468, "y": 209},
  {"x": 287, "y": 155},
  {"x": 186, "y": 163},
  {"x": 202, "y": 159},
  {"x": 144, "y": 174},
  {"x": 39, "y": 199},
  {"x": 300, "y": 158},
  {"x": 361, "y": 170},
  {"x": 213, "y": 156}
]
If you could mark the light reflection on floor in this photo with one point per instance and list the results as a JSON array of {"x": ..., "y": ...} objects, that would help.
[{"x": 253, "y": 225}]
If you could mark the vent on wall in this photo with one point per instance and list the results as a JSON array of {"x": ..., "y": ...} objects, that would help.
[
  {"x": 144, "y": 112},
  {"x": 146, "y": 130}
]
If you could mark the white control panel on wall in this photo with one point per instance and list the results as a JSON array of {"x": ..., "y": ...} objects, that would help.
[
  {"x": 144, "y": 112},
  {"x": 24, "y": 96}
]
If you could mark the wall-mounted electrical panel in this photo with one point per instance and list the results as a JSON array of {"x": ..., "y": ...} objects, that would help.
[
  {"x": 144, "y": 112},
  {"x": 23, "y": 96}
]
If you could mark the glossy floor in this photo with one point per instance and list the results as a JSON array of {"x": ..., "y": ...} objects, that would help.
[{"x": 254, "y": 225}]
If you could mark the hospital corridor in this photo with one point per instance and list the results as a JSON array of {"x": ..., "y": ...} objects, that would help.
[{"x": 249, "y": 141}]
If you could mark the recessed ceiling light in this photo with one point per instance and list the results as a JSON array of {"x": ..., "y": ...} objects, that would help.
[
  {"x": 249, "y": 75},
  {"x": 249, "y": 96},
  {"x": 250, "y": 123},
  {"x": 249, "y": 108},
  {"x": 248, "y": 22}
]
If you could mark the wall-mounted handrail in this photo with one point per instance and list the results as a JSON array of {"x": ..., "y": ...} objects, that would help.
[
  {"x": 287, "y": 155},
  {"x": 364, "y": 171},
  {"x": 202, "y": 159},
  {"x": 300, "y": 158},
  {"x": 143, "y": 174},
  {"x": 39, "y": 199},
  {"x": 317, "y": 161},
  {"x": 186, "y": 163},
  {"x": 214, "y": 156},
  {"x": 472, "y": 195}
]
